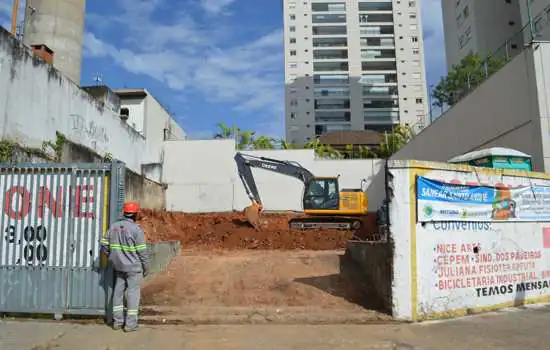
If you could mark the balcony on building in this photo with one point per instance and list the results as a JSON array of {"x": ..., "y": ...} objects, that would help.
[
  {"x": 330, "y": 54},
  {"x": 379, "y": 66},
  {"x": 380, "y": 92},
  {"x": 330, "y": 30},
  {"x": 331, "y": 79},
  {"x": 376, "y": 18},
  {"x": 378, "y": 55},
  {"x": 334, "y": 103},
  {"x": 382, "y": 31},
  {"x": 373, "y": 116},
  {"x": 321, "y": 129},
  {"x": 330, "y": 66},
  {"x": 330, "y": 42},
  {"x": 388, "y": 79},
  {"x": 327, "y": 92},
  {"x": 332, "y": 116},
  {"x": 332, "y": 7},
  {"x": 376, "y": 7},
  {"x": 382, "y": 43},
  {"x": 328, "y": 18}
]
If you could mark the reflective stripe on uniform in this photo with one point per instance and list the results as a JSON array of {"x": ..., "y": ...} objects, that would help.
[
  {"x": 127, "y": 248},
  {"x": 104, "y": 241},
  {"x": 132, "y": 312},
  {"x": 118, "y": 308}
]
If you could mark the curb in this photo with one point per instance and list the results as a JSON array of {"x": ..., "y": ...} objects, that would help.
[{"x": 236, "y": 316}]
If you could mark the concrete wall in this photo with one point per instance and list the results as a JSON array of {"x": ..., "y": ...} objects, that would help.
[
  {"x": 511, "y": 109},
  {"x": 436, "y": 271},
  {"x": 375, "y": 260},
  {"x": 202, "y": 176},
  {"x": 501, "y": 112},
  {"x": 36, "y": 101},
  {"x": 149, "y": 194}
]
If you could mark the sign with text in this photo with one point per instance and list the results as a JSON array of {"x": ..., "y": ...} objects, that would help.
[{"x": 441, "y": 201}]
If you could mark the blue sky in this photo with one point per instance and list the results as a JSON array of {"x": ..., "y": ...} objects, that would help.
[{"x": 207, "y": 61}]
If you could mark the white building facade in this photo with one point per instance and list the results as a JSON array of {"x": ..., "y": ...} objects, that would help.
[
  {"x": 482, "y": 27},
  {"x": 352, "y": 65}
]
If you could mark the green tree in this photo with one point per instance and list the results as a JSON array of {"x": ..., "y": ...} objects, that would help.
[
  {"x": 243, "y": 138},
  {"x": 263, "y": 142},
  {"x": 323, "y": 151},
  {"x": 464, "y": 77},
  {"x": 286, "y": 145},
  {"x": 394, "y": 140}
]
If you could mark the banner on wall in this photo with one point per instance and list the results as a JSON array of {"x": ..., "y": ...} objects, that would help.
[{"x": 440, "y": 201}]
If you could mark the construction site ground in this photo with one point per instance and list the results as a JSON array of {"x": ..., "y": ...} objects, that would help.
[{"x": 227, "y": 272}]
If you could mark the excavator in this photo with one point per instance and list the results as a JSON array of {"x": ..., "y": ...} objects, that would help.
[{"x": 325, "y": 205}]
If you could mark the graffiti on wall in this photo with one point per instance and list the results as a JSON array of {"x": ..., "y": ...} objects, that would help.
[{"x": 89, "y": 129}]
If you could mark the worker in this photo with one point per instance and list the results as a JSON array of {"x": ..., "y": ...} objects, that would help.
[{"x": 124, "y": 244}]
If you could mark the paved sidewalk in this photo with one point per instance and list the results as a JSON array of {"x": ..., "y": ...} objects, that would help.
[{"x": 521, "y": 329}]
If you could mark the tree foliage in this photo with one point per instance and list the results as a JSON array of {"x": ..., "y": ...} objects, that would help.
[
  {"x": 392, "y": 142},
  {"x": 464, "y": 77}
]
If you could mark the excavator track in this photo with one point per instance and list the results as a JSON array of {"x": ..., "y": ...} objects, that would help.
[{"x": 325, "y": 222}]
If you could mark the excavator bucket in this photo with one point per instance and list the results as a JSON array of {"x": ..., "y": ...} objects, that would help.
[{"x": 252, "y": 214}]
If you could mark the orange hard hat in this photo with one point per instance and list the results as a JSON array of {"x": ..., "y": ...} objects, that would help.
[{"x": 130, "y": 208}]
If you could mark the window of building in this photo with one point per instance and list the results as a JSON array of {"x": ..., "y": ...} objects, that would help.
[
  {"x": 413, "y": 16},
  {"x": 413, "y": 27},
  {"x": 416, "y": 75},
  {"x": 292, "y": 17},
  {"x": 466, "y": 11},
  {"x": 416, "y": 52},
  {"x": 414, "y": 39},
  {"x": 293, "y": 102},
  {"x": 292, "y": 52},
  {"x": 412, "y": 3},
  {"x": 292, "y": 115},
  {"x": 419, "y": 101},
  {"x": 293, "y": 40},
  {"x": 292, "y": 28},
  {"x": 293, "y": 65}
]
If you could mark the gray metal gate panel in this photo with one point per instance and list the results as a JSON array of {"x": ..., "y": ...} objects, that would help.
[{"x": 52, "y": 218}]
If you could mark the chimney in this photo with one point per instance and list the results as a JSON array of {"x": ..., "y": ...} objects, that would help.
[{"x": 43, "y": 52}]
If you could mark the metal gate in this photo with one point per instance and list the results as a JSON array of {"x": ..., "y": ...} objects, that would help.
[{"x": 53, "y": 216}]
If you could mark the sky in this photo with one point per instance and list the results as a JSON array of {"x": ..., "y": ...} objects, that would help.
[{"x": 206, "y": 61}]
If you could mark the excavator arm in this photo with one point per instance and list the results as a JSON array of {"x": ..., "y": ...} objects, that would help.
[{"x": 246, "y": 162}]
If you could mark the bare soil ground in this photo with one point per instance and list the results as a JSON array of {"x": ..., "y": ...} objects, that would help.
[{"x": 226, "y": 264}]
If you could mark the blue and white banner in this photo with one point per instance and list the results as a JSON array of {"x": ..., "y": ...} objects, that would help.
[{"x": 440, "y": 201}]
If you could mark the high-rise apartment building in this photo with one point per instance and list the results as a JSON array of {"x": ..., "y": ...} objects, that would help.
[
  {"x": 480, "y": 26},
  {"x": 352, "y": 65}
]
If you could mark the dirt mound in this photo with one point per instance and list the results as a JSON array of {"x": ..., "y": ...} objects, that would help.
[
  {"x": 231, "y": 231},
  {"x": 312, "y": 279}
]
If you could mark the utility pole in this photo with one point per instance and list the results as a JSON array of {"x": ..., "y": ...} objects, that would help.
[{"x": 14, "y": 11}]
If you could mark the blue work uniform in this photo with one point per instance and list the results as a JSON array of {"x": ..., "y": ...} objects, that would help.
[{"x": 124, "y": 243}]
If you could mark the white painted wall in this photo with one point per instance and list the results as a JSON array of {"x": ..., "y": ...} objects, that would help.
[
  {"x": 136, "y": 107},
  {"x": 36, "y": 101},
  {"x": 202, "y": 176},
  {"x": 157, "y": 119},
  {"x": 421, "y": 270}
]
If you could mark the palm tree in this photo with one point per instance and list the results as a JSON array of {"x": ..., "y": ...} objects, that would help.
[
  {"x": 286, "y": 145},
  {"x": 394, "y": 141},
  {"x": 242, "y": 137},
  {"x": 263, "y": 142},
  {"x": 323, "y": 151}
]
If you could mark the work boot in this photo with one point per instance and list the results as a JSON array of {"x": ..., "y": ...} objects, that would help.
[
  {"x": 117, "y": 327},
  {"x": 130, "y": 329}
]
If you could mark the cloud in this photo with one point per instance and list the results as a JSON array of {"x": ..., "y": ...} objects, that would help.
[
  {"x": 434, "y": 42},
  {"x": 247, "y": 76},
  {"x": 215, "y": 6}
]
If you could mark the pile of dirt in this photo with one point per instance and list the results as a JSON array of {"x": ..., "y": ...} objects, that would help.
[{"x": 231, "y": 231}]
